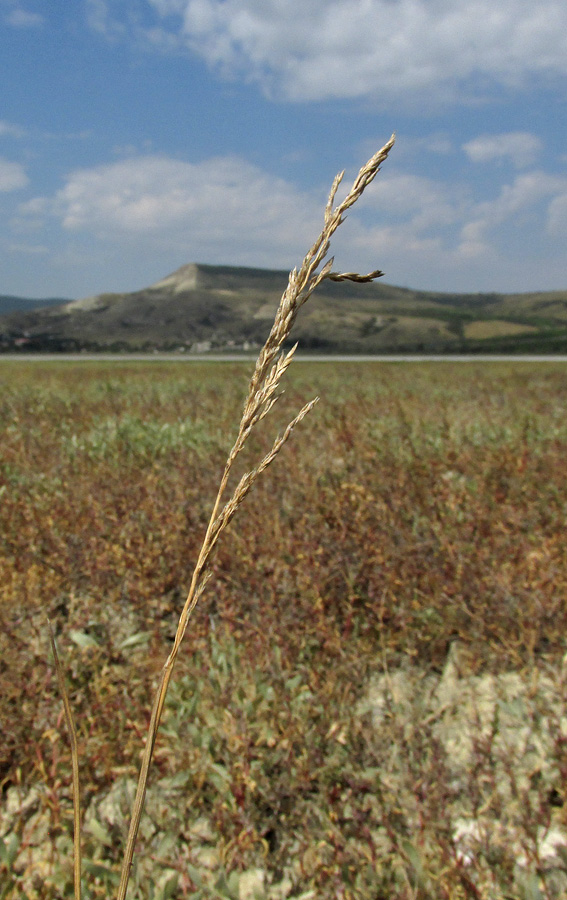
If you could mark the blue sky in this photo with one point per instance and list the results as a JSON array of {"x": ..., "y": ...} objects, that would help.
[{"x": 140, "y": 135}]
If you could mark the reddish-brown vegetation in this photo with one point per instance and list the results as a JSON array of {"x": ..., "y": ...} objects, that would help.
[{"x": 419, "y": 504}]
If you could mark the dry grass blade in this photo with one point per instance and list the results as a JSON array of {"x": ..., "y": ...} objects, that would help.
[
  {"x": 75, "y": 766},
  {"x": 270, "y": 367}
]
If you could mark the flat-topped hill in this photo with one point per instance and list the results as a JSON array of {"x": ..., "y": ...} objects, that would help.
[{"x": 226, "y": 308}]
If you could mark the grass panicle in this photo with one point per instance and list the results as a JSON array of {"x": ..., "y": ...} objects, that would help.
[{"x": 270, "y": 367}]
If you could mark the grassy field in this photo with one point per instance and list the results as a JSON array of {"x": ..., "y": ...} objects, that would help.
[{"x": 419, "y": 508}]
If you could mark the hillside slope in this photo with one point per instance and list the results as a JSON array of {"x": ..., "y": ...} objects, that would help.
[{"x": 200, "y": 308}]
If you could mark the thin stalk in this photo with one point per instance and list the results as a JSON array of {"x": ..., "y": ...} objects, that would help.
[
  {"x": 271, "y": 365},
  {"x": 75, "y": 766}
]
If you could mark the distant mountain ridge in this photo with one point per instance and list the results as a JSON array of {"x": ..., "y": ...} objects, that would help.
[{"x": 201, "y": 308}]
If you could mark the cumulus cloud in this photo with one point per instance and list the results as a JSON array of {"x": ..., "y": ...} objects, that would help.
[
  {"x": 526, "y": 192},
  {"x": 533, "y": 201},
  {"x": 308, "y": 50},
  {"x": 557, "y": 215},
  {"x": 422, "y": 203},
  {"x": 433, "y": 232},
  {"x": 21, "y": 18},
  {"x": 520, "y": 147},
  {"x": 220, "y": 207},
  {"x": 12, "y": 176},
  {"x": 8, "y": 129},
  {"x": 100, "y": 19},
  {"x": 421, "y": 231},
  {"x": 227, "y": 201}
]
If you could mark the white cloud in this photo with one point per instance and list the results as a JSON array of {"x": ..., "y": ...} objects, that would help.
[
  {"x": 421, "y": 231},
  {"x": 435, "y": 233},
  {"x": 101, "y": 21},
  {"x": 12, "y": 176},
  {"x": 29, "y": 249},
  {"x": 527, "y": 192},
  {"x": 520, "y": 147},
  {"x": 309, "y": 50},
  {"x": 8, "y": 129},
  {"x": 420, "y": 202},
  {"x": 557, "y": 216},
  {"x": 155, "y": 192},
  {"x": 228, "y": 202},
  {"x": 222, "y": 207},
  {"x": 534, "y": 203},
  {"x": 20, "y": 18},
  {"x": 38, "y": 206}
]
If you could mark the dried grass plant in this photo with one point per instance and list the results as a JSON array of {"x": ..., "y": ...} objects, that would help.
[{"x": 263, "y": 390}]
